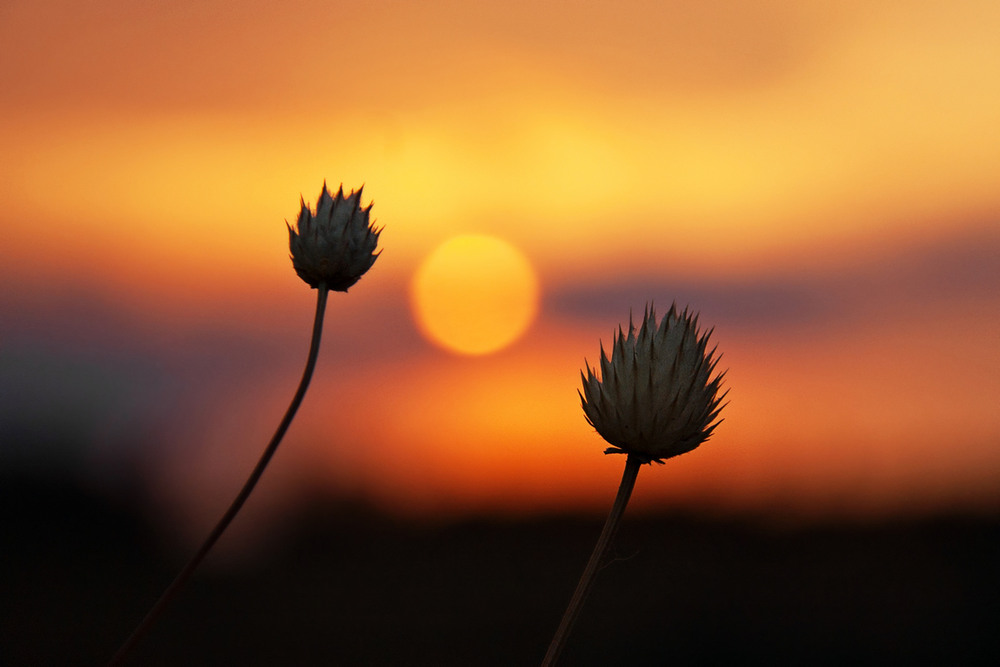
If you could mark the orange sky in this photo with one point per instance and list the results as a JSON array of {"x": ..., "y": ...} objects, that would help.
[{"x": 820, "y": 181}]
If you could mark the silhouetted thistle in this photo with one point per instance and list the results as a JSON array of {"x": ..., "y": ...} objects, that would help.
[
  {"x": 655, "y": 398},
  {"x": 331, "y": 248},
  {"x": 335, "y": 244}
]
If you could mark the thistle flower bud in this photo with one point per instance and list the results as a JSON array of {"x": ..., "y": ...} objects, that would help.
[
  {"x": 335, "y": 244},
  {"x": 655, "y": 397}
]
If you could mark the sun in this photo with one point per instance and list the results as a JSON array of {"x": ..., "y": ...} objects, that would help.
[{"x": 475, "y": 294}]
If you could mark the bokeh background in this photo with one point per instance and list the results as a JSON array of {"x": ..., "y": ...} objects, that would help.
[{"x": 819, "y": 180}]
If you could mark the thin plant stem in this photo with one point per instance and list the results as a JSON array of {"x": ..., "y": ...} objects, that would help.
[
  {"x": 227, "y": 518},
  {"x": 632, "y": 464}
]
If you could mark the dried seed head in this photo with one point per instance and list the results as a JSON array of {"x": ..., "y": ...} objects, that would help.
[
  {"x": 335, "y": 244},
  {"x": 656, "y": 397}
]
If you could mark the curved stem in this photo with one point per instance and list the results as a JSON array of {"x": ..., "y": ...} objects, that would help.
[
  {"x": 586, "y": 579},
  {"x": 241, "y": 497}
]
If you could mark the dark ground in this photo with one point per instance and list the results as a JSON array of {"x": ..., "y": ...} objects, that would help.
[{"x": 356, "y": 588}]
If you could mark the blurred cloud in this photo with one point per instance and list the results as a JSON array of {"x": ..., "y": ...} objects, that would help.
[
  {"x": 100, "y": 53},
  {"x": 952, "y": 269}
]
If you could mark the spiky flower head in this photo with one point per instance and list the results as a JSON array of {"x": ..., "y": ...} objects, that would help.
[
  {"x": 335, "y": 244},
  {"x": 656, "y": 397}
]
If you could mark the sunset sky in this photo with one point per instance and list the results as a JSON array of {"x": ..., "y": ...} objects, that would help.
[{"x": 819, "y": 180}]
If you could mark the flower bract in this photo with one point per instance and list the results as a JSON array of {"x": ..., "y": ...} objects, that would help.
[
  {"x": 335, "y": 244},
  {"x": 656, "y": 396}
]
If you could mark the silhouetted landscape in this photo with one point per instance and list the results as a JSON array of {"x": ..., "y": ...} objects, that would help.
[{"x": 352, "y": 587}]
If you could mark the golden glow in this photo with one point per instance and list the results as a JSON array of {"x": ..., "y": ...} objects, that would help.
[
  {"x": 679, "y": 144},
  {"x": 475, "y": 294}
]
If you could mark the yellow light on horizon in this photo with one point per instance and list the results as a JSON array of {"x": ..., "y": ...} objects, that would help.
[{"x": 474, "y": 294}]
